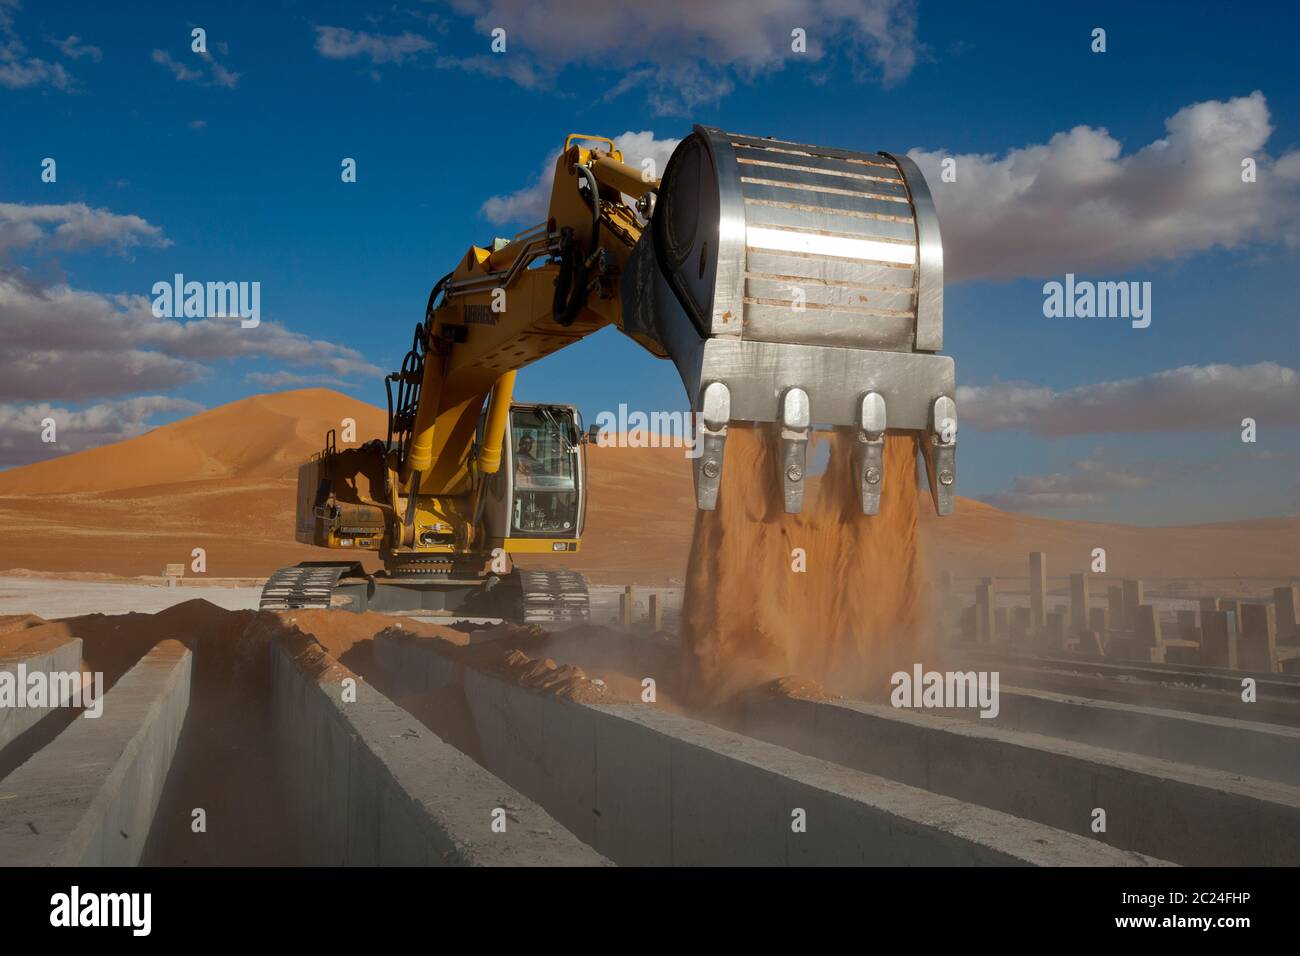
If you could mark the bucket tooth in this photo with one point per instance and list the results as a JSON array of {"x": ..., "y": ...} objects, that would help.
[
  {"x": 714, "y": 416},
  {"x": 869, "y": 452},
  {"x": 796, "y": 424},
  {"x": 940, "y": 451}
]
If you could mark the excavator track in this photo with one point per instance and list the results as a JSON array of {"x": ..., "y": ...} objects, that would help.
[
  {"x": 555, "y": 597},
  {"x": 305, "y": 586}
]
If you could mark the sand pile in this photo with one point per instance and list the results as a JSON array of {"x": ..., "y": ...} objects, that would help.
[
  {"x": 849, "y": 620},
  {"x": 19, "y": 622}
]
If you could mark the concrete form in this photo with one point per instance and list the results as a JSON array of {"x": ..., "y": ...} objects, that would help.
[
  {"x": 46, "y": 655},
  {"x": 1078, "y": 604},
  {"x": 1257, "y": 643},
  {"x": 1197, "y": 700},
  {"x": 1037, "y": 590},
  {"x": 1284, "y": 600},
  {"x": 1115, "y": 607},
  {"x": 647, "y": 787},
  {"x": 88, "y": 798},
  {"x": 1134, "y": 596},
  {"x": 376, "y": 788},
  {"x": 1239, "y": 746},
  {"x": 1171, "y": 811},
  {"x": 1146, "y": 624},
  {"x": 1218, "y": 639},
  {"x": 1277, "y": 686},
  {"x": 1099, "y": 621},
  {"x": 984, "y": 620}
]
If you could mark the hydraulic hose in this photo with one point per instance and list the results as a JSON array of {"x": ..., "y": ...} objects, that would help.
[{"x": 573, "y": 275}]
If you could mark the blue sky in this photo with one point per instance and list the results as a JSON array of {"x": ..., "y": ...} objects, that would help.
[{"x": 231, "y": 163}]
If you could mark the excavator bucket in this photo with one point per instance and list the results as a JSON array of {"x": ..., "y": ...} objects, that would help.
[{"x": 801, "y": 286}]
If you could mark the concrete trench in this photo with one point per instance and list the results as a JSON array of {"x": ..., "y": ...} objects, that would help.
[
  {"x": 303, "y": 775},
  {"x": 646, "y": 787},
  {"x": 1186, "y": 814},
  {"x": 88, "y": 797},
  {"x": 417, "y": 757}
]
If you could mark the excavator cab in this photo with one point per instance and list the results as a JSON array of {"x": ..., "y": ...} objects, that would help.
[{"x": 537, "y": 499}]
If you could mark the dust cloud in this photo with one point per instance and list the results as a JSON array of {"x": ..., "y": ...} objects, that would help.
[{"x": 850, "y": 620}]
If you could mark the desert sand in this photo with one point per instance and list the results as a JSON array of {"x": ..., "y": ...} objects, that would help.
[{"x": 224, "y": 480}]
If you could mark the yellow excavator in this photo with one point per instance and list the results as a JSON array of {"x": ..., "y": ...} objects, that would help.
[{"x": 793, "y": 286}]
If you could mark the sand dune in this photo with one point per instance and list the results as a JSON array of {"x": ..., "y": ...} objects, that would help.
[
  {"x": 224, "y": 480},
  {"x": 265, "y": 436}
]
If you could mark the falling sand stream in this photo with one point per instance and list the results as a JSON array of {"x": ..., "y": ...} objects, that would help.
[{"x": 848, "y": 621}]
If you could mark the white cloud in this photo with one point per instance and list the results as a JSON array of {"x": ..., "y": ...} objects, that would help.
[
  {"x": 280, "y": 380},
  {"x": 100, "y": 424},
  {"x": 1189, "y": 398},
  {"x": 73, "y": 226},
  {"x": 1090, "y": 482},
  {"x": 17, "y": 69},
  {"x": 74, "y": 49},
  {"x": 520, "y": 71},
  {"x": 64, "y": 344},
  {"x": 339, "y": 43},
  {"x": 1078, "y": 204},
  {"x": 528, "y": 205},
  {"x": 217, "y": 75},
  {"x": 688, "y": 52}
]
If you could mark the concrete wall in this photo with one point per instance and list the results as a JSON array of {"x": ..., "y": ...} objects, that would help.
[
  {"x": 88, "y": 798},
  {"x": 373, "y": 787},
  {"x": 44, "y": 655},
  {"x": 1171, "y": 811},
  {"x": 1178, "y": 694},
  {"x": 646, "y": 787},
  {"x": 1240, "y": 746}
]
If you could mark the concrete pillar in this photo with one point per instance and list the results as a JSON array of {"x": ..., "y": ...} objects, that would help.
[
  {"x": 1037, "y": 590},
  {"x": 1233, "y": 606},
  {"x": 1053, "y": 639},
  {"x": 1001, "y": 626},
  {"x": 1218, "y": 639},
  {"x": 984, "y": 595},
  {"x": 1147, "y": 625},
  {"x": 625, "y": 607},
  {"x": 1099, "y": 620},
  {"x": 656, "y": 613},
  {"x": 1090, "y": 643},
  {"x": 1078, "y": 604},
  {"x": 1257, "y": 644},
  {"x": 1115, "y": 605},
  {"x": 949, "y": 615},
  {"x": 1284, "y": 603},
  {"x": 968, "y": 629},
  {"x": 1019, "y": 625},
  {"x": 1134, "y": 595}
]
